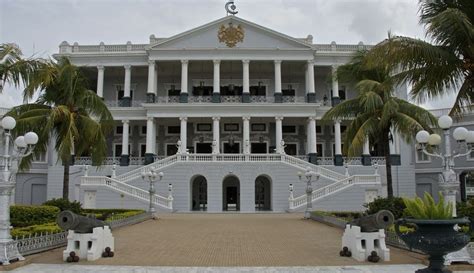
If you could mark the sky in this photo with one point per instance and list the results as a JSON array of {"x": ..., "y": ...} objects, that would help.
[{"x": 39, "y": 26}]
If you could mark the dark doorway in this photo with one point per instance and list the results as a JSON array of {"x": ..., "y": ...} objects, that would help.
[
  {"x": 258, "y": 148},
  {"x": 231, "y": 149},
  {"x": 291, "y": 149},
  {"x": 199, "y": 193},
  {"x": 263, "y": 193},
  {"x": 231, "y": 194},
  {"x": 204, "y": 148}
]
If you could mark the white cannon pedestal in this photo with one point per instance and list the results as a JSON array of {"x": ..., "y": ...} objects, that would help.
[
  {"x": 361, "y": 244},
  {"x": 89, "y": 246}
]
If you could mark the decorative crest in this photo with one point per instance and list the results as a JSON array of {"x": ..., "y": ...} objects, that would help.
[
  {"x": 230, "y": 7},
  {"x": 231, "y": 35}
]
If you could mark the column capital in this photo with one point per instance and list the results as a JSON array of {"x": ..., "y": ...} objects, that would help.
[
  {"x": 183, "y": 118},
  {"x": 151, "y": 62},
  {"x": 125, "y": 121},
  {"x": 184, "y": 61},
  {"x": 150, "y": 118},
  {"x": 246, "y": 118},
  {"x": 216, "y": 118},
  {"x": 337, "y": 121},
  {"x": 279, "y": 118},
  {"x": 277, "y": 61},
  {"x": 127, "y": 66},
  {"x": 310, "y": 62},
  {"x": 100, "y": 67},
  {"x": 216, "y": 61},
  {"x": 311, "y": 118},
  {"x": 245, "y": 61}
]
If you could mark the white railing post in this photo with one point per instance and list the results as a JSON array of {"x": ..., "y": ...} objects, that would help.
[
  {"x": 170, "y": 196},
  {"x": 291, "y": 199}
]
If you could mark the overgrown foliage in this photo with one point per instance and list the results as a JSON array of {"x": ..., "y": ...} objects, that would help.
[
  {"x": 393, "y": 204},
  {"x": 35, "y": 229},
  {"x": 427, "y": 208},
  {"x": 22, "y": 216},
  {"x": 65, "y": 204}
]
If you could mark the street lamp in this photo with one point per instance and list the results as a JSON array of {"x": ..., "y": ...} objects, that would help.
[
  {"x": 309, "y": 175},
  {"x": 22, "y": 146},
  {"x": 152, "y": 177},
  {"x": 450, "y": 184}
]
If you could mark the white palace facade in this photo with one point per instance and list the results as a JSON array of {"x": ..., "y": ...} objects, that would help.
[{"x": 229, "y": 112}]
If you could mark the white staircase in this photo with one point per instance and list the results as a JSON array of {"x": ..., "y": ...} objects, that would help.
[{"x": 129, "y": 190}]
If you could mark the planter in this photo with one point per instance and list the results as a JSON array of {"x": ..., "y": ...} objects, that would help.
[{"x": 434, "y": 237}]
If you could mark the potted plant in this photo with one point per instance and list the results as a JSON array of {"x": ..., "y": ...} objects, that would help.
[{"x": 435, "y": 232}]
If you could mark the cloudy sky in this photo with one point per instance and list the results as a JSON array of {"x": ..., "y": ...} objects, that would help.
[{"x": 39, "y": 26}]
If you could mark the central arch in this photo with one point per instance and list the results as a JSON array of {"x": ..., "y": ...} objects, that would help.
[
  {"x": 199, "y": 193},
  {"x": 231, "y": 193},
  {"x": 263, "y": 193}
]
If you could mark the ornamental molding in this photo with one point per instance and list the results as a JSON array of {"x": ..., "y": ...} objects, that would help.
[{"x": 231, "y": 35}]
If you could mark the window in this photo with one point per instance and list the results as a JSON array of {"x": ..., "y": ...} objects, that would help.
[
  {"x": 288, "y": 90},
  {"x": 291, "y": 148},
  {"x": 142, "y": 150},
  {"x": 258, "y": 127},
  {"x": 319, "y": 130},
  {"x": 259, "y": 90},
  {"x": 231, "y": 127},
  {"x": 320, "y": 149},
  {"x": 41, "y": 158},
  {"x": 204, "y": 127},
  {"x": 173, "y": 130},
  {"x": 343, "y": 129},
  {"x": 171, "y": 149},
  {"x": 289, "y": 129},
  {"x": 202, "y": 90},
  {"x": 118, "y": 150},
  {"x": 231, "y": 90},
  {"x": 422, "y": 157},
  {"x": 119, "y": 130},
  {"x": 173, "y": 91},
  {"x": 143, "y": 130}
]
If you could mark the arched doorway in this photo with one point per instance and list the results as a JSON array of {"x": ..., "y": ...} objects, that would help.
[
  {"x": 231, "y": 193},
  {"x": 263, "y": 193},
  {"x": 199, "y": 193}
]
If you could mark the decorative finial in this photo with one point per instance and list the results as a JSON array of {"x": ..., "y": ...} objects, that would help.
[{"x": 230, "y": 8}]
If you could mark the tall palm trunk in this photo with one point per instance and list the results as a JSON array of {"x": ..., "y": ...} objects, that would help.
[
  {"x": 67, "y": 164},
  {"x": 388, "y": 164}
]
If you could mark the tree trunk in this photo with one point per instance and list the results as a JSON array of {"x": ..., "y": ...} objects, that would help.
[
  {"x": 67, "y": 164},
  {"x": 388, "y": 164}
]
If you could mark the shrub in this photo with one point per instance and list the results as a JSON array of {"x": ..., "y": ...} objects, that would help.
[
  {"x": 427, "y": 208},
  {"x": 108, "y": 214},
  {"x": 22, "y": 216},
  {"x": 64, "y": 204},
  {"x": 394, "y": 204},
  {"x": 35, "y": 229}
]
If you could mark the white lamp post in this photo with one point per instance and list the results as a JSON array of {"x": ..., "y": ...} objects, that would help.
[
  {"x": 309, "y": 176},
  {"x": 152, "y": 177},
  {"x": 22, "y": 146},
  {"x": 450, "y": 184}
]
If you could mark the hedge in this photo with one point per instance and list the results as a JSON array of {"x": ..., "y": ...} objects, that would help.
[
  {"x": 35, "y": 229},
  {"x": 22, "y": 216},
  {"x": 64, "y": 204}
]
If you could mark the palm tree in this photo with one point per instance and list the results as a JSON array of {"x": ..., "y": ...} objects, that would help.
[
  {"x": 376, "y": 112},
  {"x": 67, "y": 112},
  {"x": 441, "y": 65},
  {"x": 16, "y": 70}
]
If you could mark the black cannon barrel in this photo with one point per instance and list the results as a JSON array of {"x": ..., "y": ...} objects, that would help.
[
  {"x": 371, "y": 223},
  {"x": 68, "y": 220}
]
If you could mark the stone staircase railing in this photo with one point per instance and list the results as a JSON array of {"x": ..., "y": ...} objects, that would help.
[
  {"x": 300, "y": 201},
  {"x": 129, "y": 190}
]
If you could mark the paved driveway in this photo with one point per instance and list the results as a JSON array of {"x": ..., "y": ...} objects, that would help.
[{"x": 228, "y": 240}]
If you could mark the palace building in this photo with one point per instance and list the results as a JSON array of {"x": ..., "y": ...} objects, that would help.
[{"x": 230, "y": 113}]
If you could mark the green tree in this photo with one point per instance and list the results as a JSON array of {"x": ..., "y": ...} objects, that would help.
[
  {"x": 376, "y": 111},
  {"x": 444, "y": 63},
  {"x": 16, "y": 70},
  {"x": 67, "y": 112}
]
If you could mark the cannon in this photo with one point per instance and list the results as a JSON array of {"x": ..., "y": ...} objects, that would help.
[
  {"x": 374, "y": 222},
  {"x": 68, "y": 220}
]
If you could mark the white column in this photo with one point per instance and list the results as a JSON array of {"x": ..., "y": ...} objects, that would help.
[
  {"x": 100, "y": 80},
  {"x": 366, "y": 150},
  {"x": 125, "y": 136},
  {"x": 279, "y": 133},
  {"x": 155, "y": 81},
  {"x": 128, "y": 78},
  {"x": 277, "y": 76},
  {"x": 396, "y": 140},
  {"x": 184, "y": 133},
  {"x": 149, "y": 135},
  {"x": 153, "y": 137},
  {"x": 246, "y": 129},
  {"x": 335, "y": 83},
  {"x": 311, "y": 89},
  {"x": 184, "y": 76},
  {"x": 151, "y": 77},
  {"x": 337, "y": 135},
  {"x": 246, "y": 77},
  {"x": 306, "y": 79},
  {"x": 217, "y": 77},
  {"x": 312, "y": 148},
  {"x": 216, "y": 134}
]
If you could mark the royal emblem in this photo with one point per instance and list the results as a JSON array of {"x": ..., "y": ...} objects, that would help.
[{"x": 231, "y": 35}]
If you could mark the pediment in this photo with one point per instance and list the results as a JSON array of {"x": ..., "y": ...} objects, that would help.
[{"x": 231, "y": 32}]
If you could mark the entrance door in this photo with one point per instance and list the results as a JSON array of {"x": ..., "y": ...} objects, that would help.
[
  {"x": 204, "y": 148},
  {"x": 258, "y": 148},
  {"x": 199, "y": 193},
  {"x": 231, "y": 149},
  {"x": 231, "y": 194},
  {"x": 262, "y": 193}
]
